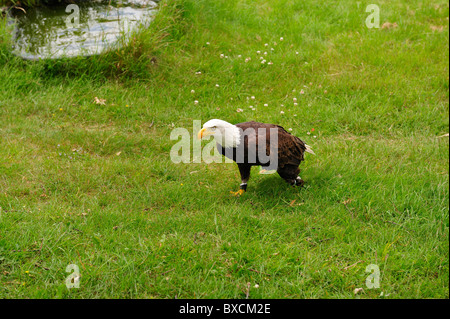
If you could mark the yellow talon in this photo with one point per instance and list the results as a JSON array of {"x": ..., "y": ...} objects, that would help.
[{"x": 238, "y": 193}]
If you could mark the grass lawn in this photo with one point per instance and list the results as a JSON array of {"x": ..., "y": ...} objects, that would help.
[{"x": 93, "y": 184}]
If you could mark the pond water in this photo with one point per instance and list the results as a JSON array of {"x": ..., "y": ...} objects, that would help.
[{"x": 87, "y": 28}]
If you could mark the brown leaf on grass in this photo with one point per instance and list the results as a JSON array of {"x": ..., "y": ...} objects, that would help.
[
  {"x": 389, "y": 25},
  {"x": 292, "y": 203},
  {"x": 438, "y": 28},
  {"x": 99, "y": 101},
  {"x": 345, "y": 202}
]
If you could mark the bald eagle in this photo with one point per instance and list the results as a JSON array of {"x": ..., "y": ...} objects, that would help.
[{"x": 258, "y": 144}]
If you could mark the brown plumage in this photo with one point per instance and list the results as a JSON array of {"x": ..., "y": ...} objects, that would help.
[{"x": 286, "y": 156}]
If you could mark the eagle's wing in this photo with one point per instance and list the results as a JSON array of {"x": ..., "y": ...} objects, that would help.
[
  {"x": 255, "y": 151},
  {"x": 290, "y": 148}
]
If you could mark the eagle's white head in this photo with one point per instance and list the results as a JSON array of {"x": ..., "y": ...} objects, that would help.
[{"x": 224, "y": 133}]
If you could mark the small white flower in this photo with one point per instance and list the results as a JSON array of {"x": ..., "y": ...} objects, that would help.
[
  {"x": 271, "y": 49},
  {"x": 207, "y": 43},
  {"x": 266, "y": 104},
  {"x": 226, "y": 57},
  {"x": 239, "y": 110},
  {"x": 265, "y": 53},
  {"x": 295, "y": 99},
  {"x": 263, "y": 61},
  {"x": 295, "y": 104},
  {"x": 266, "y": 44},
  {"x": 270, "y": 63},
  {"x": 282, "y": 112},
  {"x": 247, "y": 59},
  {"x": 251, "y": 106},
  {"x": 195, "y": 102},
  {"x": 296, "y": 52},
  {"x": 290, "y": 129},
  {"x": 256, "y": 286},
  {"x": 217, "y": 85},
  {"x": 252, "y": 97},
  {"x": 192, "y": 91},
  {"x": 295, "y": 114},
  {"x": 302, "y": 92},
  {"x": 258, "y": 52},
  {"x": 315, "y": 136},
  {"x": 222, "y": 55},
  {"x": 309, "y": 133},
  {"x": 281, "y": 39},
  {"x": 261, "y": 58},
  {"x": 198, "y": 72},
  {"x": 239, "y": 56}
]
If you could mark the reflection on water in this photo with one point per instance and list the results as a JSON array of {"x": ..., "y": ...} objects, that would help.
[{"x": 51, "y": 32}]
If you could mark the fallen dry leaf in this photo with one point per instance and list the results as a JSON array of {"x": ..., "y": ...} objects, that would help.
[
  {"x": 389, "y": 25},
  {"x": 99, "y": 101},
  {"x": 439, "y": 28},
  {"x": 345, "y": 202}
]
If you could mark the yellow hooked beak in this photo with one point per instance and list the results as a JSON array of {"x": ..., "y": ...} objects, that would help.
[{"x": 203, "y": 132}]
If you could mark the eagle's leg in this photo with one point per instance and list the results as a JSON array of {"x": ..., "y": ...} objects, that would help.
[
  {"x": 244, "y": 170},
  {"x": 290, "y": 174}
]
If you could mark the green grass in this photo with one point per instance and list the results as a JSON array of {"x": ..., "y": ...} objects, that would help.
[{"x": 93, "y": 185}]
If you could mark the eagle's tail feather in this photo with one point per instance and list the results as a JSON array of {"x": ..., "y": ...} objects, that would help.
[{"x": 309, "y": 149}]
